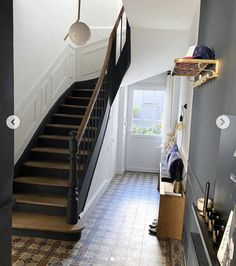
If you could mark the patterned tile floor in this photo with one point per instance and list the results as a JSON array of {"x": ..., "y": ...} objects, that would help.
[{"x": 116, "y": 232}]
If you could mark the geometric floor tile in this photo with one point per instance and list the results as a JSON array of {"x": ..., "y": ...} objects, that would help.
[{"x": 116, "y": 232}]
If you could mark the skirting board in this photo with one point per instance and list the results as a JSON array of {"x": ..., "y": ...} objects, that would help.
[
  {"x": 90, "y": 205},
  {"x": 143, "y": 170}
]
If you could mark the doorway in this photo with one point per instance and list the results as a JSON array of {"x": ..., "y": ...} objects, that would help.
[{"x": 145, "y": 114}]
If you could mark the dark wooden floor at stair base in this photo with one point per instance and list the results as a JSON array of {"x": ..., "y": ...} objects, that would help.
[{"x": 41, "y": 184}]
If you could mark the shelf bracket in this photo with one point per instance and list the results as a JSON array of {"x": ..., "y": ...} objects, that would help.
[{"x": 202, "y": 70}]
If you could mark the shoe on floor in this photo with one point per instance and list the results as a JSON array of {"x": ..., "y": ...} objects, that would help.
[
  {"x": 153, "y": 231},
  {"x": 154, "y": 224}
]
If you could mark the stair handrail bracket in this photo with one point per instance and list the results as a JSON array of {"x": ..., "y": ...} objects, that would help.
[{"x": 84, "y": 142}]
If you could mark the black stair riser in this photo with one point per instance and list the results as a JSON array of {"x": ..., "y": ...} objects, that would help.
[
  {"x": 57, "y": 131},
  {"x": 34, "y": 208},
  {"x": 43, "y": 142},
  {"x": 74, "y": 101},
  {"x": 72, "y": 110},
  {"x": 38, "y": 171},
  {"x": 83, "y": 102},
  {"x": 47, "y": 234},
  {"x": 66, "y": 120},
  {"x": 82, "y": 93},
  {"x": 40, "y": 189},
  {"x": 43, "y": 156}
]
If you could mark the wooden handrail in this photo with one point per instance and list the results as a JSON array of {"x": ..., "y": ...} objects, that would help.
[{"x": 94, "y": 96}]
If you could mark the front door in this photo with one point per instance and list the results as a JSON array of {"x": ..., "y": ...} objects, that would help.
[{"x": 145, "y": 113}]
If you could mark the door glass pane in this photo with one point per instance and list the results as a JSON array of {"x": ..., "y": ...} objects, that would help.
[{"x": 147, "y": 112}]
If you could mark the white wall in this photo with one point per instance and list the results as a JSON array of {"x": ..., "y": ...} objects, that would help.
[
  {"x": 39, "y": 29},
  {"x": 106, "y": 164},
  {"x": 186, "y": 97},
  {"x": 153, "y": 52},
  {"x": 122, "y": 130}
]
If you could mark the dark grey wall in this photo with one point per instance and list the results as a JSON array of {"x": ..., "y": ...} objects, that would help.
[
  {"x": 218, "y": 31},
  {"x": 6, "y": 135}
]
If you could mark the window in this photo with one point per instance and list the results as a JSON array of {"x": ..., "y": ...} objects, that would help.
[{"x": 147, "y": 112}]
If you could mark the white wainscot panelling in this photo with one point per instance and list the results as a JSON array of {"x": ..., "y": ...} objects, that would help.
[
  {"x": 28, "y": 118},
  {"x": 59, "y": 76},
  {"x": 93, "y": 60},
  {"x": 46, "y": 96},
  {"x": 90, "y": 60},
  {"x": 36, "y": 104}
]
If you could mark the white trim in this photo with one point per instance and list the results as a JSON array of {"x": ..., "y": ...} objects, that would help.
[
  {"x": 146, "y": 136},
  {"x": 143, "y": 169},
  {"x": 143, "y": 86}
]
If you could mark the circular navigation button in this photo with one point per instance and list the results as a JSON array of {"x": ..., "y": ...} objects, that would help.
[
  {"x": 222, "y": 122},
  {"x": 13, "y": 122}
]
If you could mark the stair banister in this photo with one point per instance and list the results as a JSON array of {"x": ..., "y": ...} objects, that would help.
[
  {"x": 95, "y": 104},
  {"x": 100, "y": 80}
]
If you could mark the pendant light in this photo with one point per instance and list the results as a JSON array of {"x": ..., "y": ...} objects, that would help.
[
  {"x": 79, "y": 32},
  {"x": 180, "y": 125}
]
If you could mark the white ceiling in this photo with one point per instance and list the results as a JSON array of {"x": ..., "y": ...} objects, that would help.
[
  {"x": 161, "y": 14},
  {"x": 161, "y": 30}
]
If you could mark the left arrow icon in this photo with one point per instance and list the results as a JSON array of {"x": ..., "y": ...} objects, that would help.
[{"x": 13, "y": 122}]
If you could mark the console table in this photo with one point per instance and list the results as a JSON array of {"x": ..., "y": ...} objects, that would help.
[{"x": 171, "y": 211}]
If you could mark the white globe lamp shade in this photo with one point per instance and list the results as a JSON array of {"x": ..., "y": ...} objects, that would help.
[{"x": 79, "y": 33}]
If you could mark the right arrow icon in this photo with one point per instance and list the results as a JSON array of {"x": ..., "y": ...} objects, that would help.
[{"x": 222, "y": 121}]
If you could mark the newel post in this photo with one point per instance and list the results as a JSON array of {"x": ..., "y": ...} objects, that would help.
[{"x": 73, "y": 195}]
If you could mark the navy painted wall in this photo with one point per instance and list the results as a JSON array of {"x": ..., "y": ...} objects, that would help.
[
  {"x": 6, "y": 135},
  {"x": 217, "y": 30}
]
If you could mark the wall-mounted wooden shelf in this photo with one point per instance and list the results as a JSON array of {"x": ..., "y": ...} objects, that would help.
[{"x": 202, "y": 70}]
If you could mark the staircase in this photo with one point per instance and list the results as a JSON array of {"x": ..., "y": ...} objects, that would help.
[{"x": 54, "y": 174}]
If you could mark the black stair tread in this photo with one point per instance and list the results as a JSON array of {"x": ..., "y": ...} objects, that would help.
[
  {"x": 58, "y": 137},
  {"x": 55, "y": 150},
  {"x": 51, "y": 150},
  {"x": 78, "y": 97},
  {"x": 86, "y": 89},
  {"x": 68, "y": 115},
  {"x": 44, "y": 200},
  {"x": 41, "y": 222},
  {"x": 72, "y": 116},
  {"x": 55, "y": 137},
  {"x": 74, "y": 106},
  {"x": 48, "y": 164},
  {"x": 63, "y": 126},
  {"x": 43, "y": 181},
  {"x": 83, "y": 89},
  {"x": 67, "y": 126},
  {"x": 77, "y": 106}
]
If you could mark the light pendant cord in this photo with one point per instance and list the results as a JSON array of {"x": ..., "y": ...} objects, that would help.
[{"x": 79, "y": 4}]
